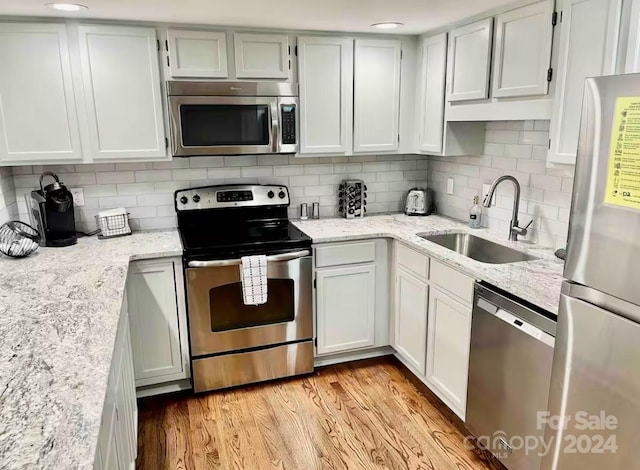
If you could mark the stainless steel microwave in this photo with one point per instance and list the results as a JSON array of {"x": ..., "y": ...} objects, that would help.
[{"x": 232, "y": 118}]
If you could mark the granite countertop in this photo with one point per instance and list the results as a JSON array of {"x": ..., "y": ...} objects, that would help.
[
  {"x": 537, "y": 281},
  {"x": 60, "y": 307},
  {"x": 59, "y": 312}
]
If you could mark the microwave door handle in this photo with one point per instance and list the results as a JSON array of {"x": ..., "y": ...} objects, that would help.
[
  {"x": 237, "y": 262},
  {"x": 275, "y": 118}
]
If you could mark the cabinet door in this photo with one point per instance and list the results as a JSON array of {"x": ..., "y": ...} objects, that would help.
[
  {"x": 121, "y": 81},
  {"x": 588, "y": 44},
  {"x": 345, "y": 310},
  {"x": 522, "y": 53},
  {"x": 261, "y": 55},
  {"x": 197, "y": 54},
  {"x": 632, "y": 62},
  {"x": 376, "y": 95},
  {"x": 411, "y": 299},
  {"x": 431, "y": 91},
  {"x": 325, "y": 67},
  {"x": 448, "y": 348},
  {"x": 469, "y": 61},
  {"x": 153, "y": 314},
  {"x": 38, "y": 120}
]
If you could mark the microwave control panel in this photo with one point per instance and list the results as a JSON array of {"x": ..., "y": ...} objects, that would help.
[{"x": 288, "y": 113}]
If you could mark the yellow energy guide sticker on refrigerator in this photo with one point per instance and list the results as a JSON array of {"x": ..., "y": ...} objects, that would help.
[{"x": 623, "y": 180}]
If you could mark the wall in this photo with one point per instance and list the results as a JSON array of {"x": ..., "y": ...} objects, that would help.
[
  {"x": 146, "y": 189},
  {"x": 517, "y": 148},
  {"x": 8, "y": 207}
]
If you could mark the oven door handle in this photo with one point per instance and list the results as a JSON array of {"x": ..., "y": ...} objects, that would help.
[{"x": 237, "y": 262}]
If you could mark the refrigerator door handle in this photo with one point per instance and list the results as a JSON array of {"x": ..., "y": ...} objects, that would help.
[{"x": 608, "y": 302}]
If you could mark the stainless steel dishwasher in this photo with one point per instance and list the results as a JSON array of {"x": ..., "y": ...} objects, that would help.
[{"x": 509, "y": 377}]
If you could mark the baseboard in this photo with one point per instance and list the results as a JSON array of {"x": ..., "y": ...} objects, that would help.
[
  {"x": 163, "y": 389},
  {"x": 352, "y": 356}
]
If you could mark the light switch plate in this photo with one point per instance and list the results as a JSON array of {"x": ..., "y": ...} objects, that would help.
[
  {"x": 78, "y": 196},
  {"x": 485, "y": 192},
  {"x": 449, "y": 185}
]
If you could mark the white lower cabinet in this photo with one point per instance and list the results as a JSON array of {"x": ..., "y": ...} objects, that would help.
[
  {"x": 351, "y": 297},
  {"x": 432, "y": 324},
  {"x": 346, "y": 308},
  {"x": 118, "y": 439},
  {"x": 448, "y": 343},
  {"x": 155, "y": 290},
  {"x": 411, "y": 299}
]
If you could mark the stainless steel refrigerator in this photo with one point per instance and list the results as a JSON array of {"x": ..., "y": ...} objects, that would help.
[{"x": 595, "y": 381}]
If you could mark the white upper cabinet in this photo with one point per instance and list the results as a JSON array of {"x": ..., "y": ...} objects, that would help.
[
  {"x": 588, "y": 44},
  {"x": 261, "y": 55},
  {"x": 197, "y": 54},
  {"x": 38, "y": 121},
  {"x": 431, "y": 89},
  {"x": 632, "y": 62},
  {"x": 376, "y": 95},
  {"x": 121, "y": 82},
  {"x": 325, "y": 68},
  {"x": 522, "y": 53},
  {"x": 469, "y": 61}
]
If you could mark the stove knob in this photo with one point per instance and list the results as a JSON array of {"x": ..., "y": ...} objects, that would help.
[
  {"x": 196, "y": 198},
  {"x": 270, "y": 194},
  {"x": 184, "y": 199},
  {"x": 281, "y": 194}
]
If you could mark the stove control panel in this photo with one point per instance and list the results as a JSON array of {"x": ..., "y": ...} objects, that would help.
[{"x": 225, "y": 196}]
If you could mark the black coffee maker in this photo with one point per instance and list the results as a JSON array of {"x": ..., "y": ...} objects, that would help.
[{"x": 51, "y": 212}]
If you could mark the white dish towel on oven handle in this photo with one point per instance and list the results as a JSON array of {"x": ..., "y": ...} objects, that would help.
[{"x": 253, "y": 274}]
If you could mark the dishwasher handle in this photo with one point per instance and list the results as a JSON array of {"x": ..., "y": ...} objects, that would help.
[{"x": 516, "y": 322}]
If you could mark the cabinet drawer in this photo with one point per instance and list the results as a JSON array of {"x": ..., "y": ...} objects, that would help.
[
  {"x": 345, "y": 253},
  {"x": 452, "y": 281},
  {"x": 414, "y": 262}
]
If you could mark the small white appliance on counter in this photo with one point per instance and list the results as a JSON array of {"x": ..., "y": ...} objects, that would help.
[{"x": 419, "y": 202}]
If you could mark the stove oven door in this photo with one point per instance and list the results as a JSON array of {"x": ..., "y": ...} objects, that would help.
[{"x": 220, "y": 322}]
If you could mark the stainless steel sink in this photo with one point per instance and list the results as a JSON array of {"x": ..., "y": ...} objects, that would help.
[{"x": 478, "y": 248}]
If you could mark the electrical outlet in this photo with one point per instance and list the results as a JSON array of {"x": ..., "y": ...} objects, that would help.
[
  {"x": 485, "y": 193},
  {"x": 449, "y": 185},
  {"x": 78, "y": 196}
]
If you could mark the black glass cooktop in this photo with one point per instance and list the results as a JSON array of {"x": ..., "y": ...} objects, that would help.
[{"x": 232, "y": 241}]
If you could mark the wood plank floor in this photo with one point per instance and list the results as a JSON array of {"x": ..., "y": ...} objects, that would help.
[{"x": 360, "y": 415}]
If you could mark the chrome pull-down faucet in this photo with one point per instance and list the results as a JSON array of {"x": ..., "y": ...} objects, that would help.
[{"x": 514, "y": 229}]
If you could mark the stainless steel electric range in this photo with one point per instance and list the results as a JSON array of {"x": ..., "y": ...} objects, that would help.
[{"x": 233, "y": 343}]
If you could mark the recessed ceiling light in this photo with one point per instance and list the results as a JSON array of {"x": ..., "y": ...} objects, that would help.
[
  {"x": 387, "y": 25},
  {"x": 67, "y": 6}
]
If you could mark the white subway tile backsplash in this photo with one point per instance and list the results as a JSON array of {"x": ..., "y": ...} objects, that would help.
[
  {"x": 256, "y": 171},
  {"x": 324, "y": 169},
  {"x": 113, "y": 202},
  {"x": 534, "y": 137},
  {"x": 307, "y": 180},
  {"x": 187, "y": 175},
  {"x": 538, "y": 167},
  {"x": 132, "y": 189},
  {"x": 115, "y": 177},
  {"x": 152, "y": 175},
  {"x": 553, "y": 183},
  {"x": 206, "y": 162},
  {"x": 518, "y": 149},
  {"x": 133, "y": 166}
]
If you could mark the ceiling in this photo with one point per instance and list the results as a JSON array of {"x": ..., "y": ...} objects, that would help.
[{"x": 322, "y": 15}]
